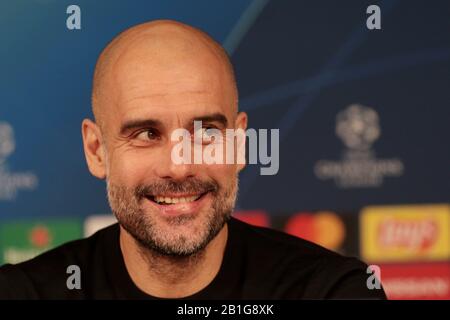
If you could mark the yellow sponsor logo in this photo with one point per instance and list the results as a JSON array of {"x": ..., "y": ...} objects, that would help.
[{"x": 405, "y": 233}]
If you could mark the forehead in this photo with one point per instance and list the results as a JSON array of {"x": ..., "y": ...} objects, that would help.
[{"x": 164, "y": 83}]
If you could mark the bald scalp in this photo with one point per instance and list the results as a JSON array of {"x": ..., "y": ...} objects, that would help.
[{"x": 161, "y": 35}]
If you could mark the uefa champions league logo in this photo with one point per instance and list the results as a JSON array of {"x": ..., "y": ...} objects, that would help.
[
  {"x": 358, "y": 127},
  {"x": 11, "y": 182}
]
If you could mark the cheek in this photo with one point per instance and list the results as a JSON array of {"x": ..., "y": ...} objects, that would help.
[
  {"x": 224, "y": 174},
  {"x": 129, "y": 168}
]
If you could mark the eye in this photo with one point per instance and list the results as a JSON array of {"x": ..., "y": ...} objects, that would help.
[
  {"x": 148, "y": 135},
  {"x": 206, "y": 132}
]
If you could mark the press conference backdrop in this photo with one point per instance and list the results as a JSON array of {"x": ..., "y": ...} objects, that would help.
[{"x": 363, "y": 116}]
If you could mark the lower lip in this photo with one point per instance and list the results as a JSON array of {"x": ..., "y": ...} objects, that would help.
[{"x": 185, "y": 208}]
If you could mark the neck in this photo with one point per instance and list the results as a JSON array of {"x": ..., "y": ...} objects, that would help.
[{"x": 168, "y": 276}]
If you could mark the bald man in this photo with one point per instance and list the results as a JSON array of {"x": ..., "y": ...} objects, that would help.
[{"x": 175, "y": 237}]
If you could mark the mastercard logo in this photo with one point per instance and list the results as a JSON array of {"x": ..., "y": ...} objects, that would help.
[{"x": 323, "y": 228}]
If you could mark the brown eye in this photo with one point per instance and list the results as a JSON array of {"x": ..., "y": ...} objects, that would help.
[
  {"x": 208, "y": 134},
  {"x": 149, "y": 134}
]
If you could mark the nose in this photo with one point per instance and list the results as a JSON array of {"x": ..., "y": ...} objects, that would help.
[{"x": 168, "y": 169}]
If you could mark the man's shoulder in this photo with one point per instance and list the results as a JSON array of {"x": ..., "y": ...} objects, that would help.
[
  {"x": 304, "y": 268},
  {"x": 50, "y": 268},
  {"x": 288, "y": 251}
]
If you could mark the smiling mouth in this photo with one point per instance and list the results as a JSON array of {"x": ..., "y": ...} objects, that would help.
[{"x": 171, "y": 200}]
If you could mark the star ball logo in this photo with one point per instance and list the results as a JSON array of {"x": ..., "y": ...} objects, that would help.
[
  {"x": 359, "y": 128},
  {"x": 12, "y": 182}
]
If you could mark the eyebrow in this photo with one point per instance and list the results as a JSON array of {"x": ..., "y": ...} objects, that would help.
[
  {"x": 215, "y": 117},
  {"x": 130, "y": 125},
  {"x": 127, "y": 126}
]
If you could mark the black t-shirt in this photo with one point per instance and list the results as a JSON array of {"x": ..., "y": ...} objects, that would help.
[{"x": 258, "y": 263}]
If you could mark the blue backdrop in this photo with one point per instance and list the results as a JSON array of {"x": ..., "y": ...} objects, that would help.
[{"x": 299, "y": 64}]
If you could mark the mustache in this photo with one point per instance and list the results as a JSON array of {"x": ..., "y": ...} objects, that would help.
[{"x": 191, "y": 185}]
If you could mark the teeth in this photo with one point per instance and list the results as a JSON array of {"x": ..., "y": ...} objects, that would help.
[{"x": 160, "y": 199}]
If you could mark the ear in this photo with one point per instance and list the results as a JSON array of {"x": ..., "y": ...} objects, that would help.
[
  {"x": 93, "y": 148},
  {"x": 241, "y": 123}
]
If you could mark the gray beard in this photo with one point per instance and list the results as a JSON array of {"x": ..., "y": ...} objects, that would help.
[{"x": 125, "y": 204}]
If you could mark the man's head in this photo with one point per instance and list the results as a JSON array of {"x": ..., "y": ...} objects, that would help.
[{"x": 150, "y": 80}]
